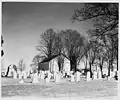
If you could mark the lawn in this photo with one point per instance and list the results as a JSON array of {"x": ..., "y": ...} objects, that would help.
[{"x": 92, "y": 89}]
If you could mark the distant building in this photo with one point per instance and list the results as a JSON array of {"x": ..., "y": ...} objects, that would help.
[{"x": 51, "y": 64}]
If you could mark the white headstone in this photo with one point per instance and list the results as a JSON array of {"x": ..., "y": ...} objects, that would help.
[
  {"x": 57, "y": 77},
  {"x": 42, "y": 75},
  {"x": 77, "y": 76},
  {"x": 88, "y": 76},
  {"x": 14, "y": 74},
  {"x": 48, "y": 77},
  {"x": 99, "y": 75},
  {"x": 47, "y": 80},
  {"x": 112, "y": 74},
  {"x": 35, "y": 78},
  {"x": 21, "y": 81},
  {"x": 28, "y": 73},
  {"x": 72, "y": 78},
  {"x": 20, "y": 75},
  {"x": 95, "y": 75},
  {"x": 24, "y": 76}
]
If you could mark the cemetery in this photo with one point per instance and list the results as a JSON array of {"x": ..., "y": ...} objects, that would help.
[
  {"x": 54, "y": 50},
  {"x": 49, "y": 76}
]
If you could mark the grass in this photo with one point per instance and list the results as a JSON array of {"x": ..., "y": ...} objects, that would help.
[{"x": 92, "y": 89}]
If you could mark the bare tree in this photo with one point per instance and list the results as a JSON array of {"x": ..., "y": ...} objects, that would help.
[
  {"x": 105, "y": 20},
  {"x": 59, "y": 50},
  {"x": 73, "y": 44},
  {"x": 21, "y": 65},
  {"x": 36, "y": 60},
  {"x": 47, "y": 43},
  {"x": 50, "y": 45}
]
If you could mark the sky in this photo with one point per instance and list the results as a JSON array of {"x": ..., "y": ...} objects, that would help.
[{"x": 23, "y": 22}]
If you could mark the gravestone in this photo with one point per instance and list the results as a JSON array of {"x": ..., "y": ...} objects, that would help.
[
  {"x": 77, "y": 76},
  {"x": 20, "y": 75},
  {"x": 39, "y": 75},
  {"x": 72, "y": 78},
  {"x": 42, "y": 75},
  {"x": 99, "y": 74},
  {"x": 48, "y": 77},
  {"x": 14, "y": 75},
  {"x": 95, "y": 75},
  {"x": 21, "y": 81},
  {"x": 88, "y": 76},
  {"x": 112, "y": 74},
  {"x": 35, "y": 78},
  {"x": 47, "y": 80},
  {"x": 57, "y": 77},
  {"x": 28, "y": 73},
  {"x": 24, "y": 75},
  {"x": 32, "y": 75}
]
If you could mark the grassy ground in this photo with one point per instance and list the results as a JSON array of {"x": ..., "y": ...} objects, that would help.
[{"x": 82, "y": 89}]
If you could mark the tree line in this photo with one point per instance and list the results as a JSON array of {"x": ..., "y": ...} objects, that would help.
[{"x": 100, "y": 46}]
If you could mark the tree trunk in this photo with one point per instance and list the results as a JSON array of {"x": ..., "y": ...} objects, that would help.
[
  {"x": 117, "y": 62},
  {"x": 73, "y": 64},
  {"x": 86, "y": 63},
  {"x": 111, "y": 65},
  {"x": 90, "y": 70},
  {"x": 59, "y": 65},
  {"x": 101, "y": 70},
  {"x": 101, "y": 65},
  {"x": 109, "y": 68}
]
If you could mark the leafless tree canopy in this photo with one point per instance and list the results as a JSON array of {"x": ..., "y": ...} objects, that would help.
[
  {"x": 105, "y": 18},
  {"x": 21, "y": 65},
  {"x": 73, "y": 44}
]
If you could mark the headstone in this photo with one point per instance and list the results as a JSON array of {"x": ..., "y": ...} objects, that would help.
[
  {"x": 32, "y": 75},
  {"x": 72, "y": 78},
  {"x": 47, "y": 80},
  {"x": 42, "y": 75},
  {"x": 112, "y": 74},
  {"x": 99, "y": 74},
  {"x": 35, "y": 78},
  {"x": 21, "y": 81},
  {"x": 88, "y": 76},
  {"x": 24, "y": 76},
  {"x": 28, "y": 73},
  {"x": 20, "y": 75},
  {"x": 95, "y": 75},
  {"x": 109, "y": 78},
  {"x": 57, "y": 77},
  {"x": 68, "y": 73},
  {"x": 77, "y": 76},
  {"x": 48, "y": 77},
  {"x": 15, "y": 75}
]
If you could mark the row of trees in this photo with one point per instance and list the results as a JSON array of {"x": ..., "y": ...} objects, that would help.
[
  {"x": 105, "y": 17},
  {"x": 100, "y": 46},
  {"x": 68, "y": 43}
]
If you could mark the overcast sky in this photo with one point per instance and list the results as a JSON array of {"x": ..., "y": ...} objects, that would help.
[{"x": 22, "y": 24}]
